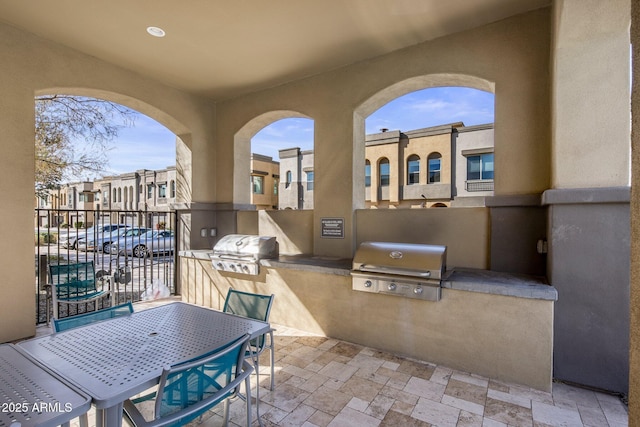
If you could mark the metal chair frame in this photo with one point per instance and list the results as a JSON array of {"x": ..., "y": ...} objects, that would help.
[
  {"x": 75, "y": 284},
  {"x": 188, "y": 385}
]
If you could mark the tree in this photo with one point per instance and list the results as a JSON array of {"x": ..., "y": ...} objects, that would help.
[{"x": 61, "y": 120}]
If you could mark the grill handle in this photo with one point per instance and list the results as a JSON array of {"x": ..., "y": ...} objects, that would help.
[{"x": 390, "y": 270}]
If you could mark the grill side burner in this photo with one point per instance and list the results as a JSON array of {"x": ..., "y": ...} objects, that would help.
[
  {"x": 401, "y": 269},
  {"x": 241, "y": 253}
]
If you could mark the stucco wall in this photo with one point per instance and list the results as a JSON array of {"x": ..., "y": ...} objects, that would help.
[
  {"x": 511, "y": 56},
  {"x": 33, "y": 66},
  {"x": 513, "y": 343}
]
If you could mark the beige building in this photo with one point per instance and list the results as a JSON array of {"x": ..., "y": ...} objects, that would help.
[
  {"x": 439, "y": 166},
  {"x": 265, "y": 178},
  {"x": 560, "y": 72},
  {"x": 114, "y": 196}
]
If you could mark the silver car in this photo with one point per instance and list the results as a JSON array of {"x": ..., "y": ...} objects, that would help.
[
  {"x": 70, "y": 240},
  {"x": 146, "y": 244},
  {"x": 104, "y": 241}
]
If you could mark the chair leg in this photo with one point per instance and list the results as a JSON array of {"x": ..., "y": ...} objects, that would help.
[
  {"x": 226, "y": 412},
  {"x": 271, "y": 350}
]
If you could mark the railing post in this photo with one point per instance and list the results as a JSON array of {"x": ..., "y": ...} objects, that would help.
[{"x": 42, "y": 271}]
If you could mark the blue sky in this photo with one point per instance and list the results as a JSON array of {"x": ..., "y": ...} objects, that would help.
[{"x": 149, "y": 145}]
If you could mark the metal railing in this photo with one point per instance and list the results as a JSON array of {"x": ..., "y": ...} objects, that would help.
[{"x": 131, "y": 263}]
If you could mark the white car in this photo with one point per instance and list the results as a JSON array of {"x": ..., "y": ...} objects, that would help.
[
  {"x": 70, "y": 240},
  {"x": 104, "y": 241}
]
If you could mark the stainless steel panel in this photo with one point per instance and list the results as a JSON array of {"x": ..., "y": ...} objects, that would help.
[
  {"x": 397, "y": 286},
  {"x": 407, "y": 259}
]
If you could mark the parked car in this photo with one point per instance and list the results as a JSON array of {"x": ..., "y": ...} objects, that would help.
[
  {"x": 151, "y": 242},
  {"x": 70, "y": 240},
  {"x": 104, "y": 241}
]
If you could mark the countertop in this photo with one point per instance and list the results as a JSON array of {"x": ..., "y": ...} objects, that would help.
[{"x": 460, "y": 279}]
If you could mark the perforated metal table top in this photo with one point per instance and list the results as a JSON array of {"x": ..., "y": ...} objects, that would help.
[
  {"x": 31, "y": 395},
  {"x": 118, "y": 358}
]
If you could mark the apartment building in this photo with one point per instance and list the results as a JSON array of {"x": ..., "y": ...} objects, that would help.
[
  {"x": 117, "y": 199},
  {"x": 439, "y": 166},
  {"x": 265, "y": 179}
]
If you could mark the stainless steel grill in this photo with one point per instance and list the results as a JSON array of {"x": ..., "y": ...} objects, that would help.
[
  {"x": 402, "y": 269},
  {"x": 241, "y": 253}
]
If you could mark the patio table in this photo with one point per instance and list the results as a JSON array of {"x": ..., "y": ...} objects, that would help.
[
  {"x": 114, "y": 360},
  {"x": 31, "y": 395}
]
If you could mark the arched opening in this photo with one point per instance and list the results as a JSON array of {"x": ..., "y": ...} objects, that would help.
[
  {"x": 428, "y": 127},
  {"x": 277, "y": 150},
  {"x": 91, "y": 204}
]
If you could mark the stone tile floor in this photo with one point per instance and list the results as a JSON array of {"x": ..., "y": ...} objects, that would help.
[{"x": 325, "y": 382}]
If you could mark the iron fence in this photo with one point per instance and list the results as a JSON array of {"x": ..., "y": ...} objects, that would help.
[{"x": 131, "y": 251}]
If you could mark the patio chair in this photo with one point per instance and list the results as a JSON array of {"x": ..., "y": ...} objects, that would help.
[
  {"x": 66, "y": 323},
  {"x": 74, "y": 284},
  {"x": 188, "y": 390},
  {"x": 254, "y": 306}
]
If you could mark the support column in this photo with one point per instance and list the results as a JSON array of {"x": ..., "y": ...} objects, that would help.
[{"x": 589, "y": 247}]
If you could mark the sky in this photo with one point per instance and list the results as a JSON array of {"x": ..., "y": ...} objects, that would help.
[{"x": 149, "y": 145}]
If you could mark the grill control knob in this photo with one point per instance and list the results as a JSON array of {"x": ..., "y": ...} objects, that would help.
[
  {"x": 233, "y": 267},
  {"x": 368, "y": 284},
  {"x": 245, "y": 267},
  {"x": 392, "y": 286},
  {"x": 418, "y": 290},
  {"x": 220, "y": 266}
]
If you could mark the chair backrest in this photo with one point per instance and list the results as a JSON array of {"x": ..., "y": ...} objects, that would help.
[
  {"x": 245, "y": 304},
  {"x": 94, "y": 316},
  {"x": 73, "y": 280},
  {"x": 253, "y": 306},
  {"x": 188, "y": 389}
]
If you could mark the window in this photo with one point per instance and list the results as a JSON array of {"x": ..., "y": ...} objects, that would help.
[
  {"x": 413, "y": 170},
  {"x": 162, "y": 190},
  {"x": 257, "y": 182},
  {"x": 367, "y": 174},
  {"x": 384, "y": 172},
  {"x": 288, "y": 181},
  {"x": 115, "y": 195},
  {"x": 172, "y": 189},
  {"x": 434, "y": 168},
  {"x": 480, "y": 167},
  {"x": 310, "y": 181},
  {"x": 276, "y": 181},
  {"x": 81, "y": 197},
  {"x": 149, "y": 191}
]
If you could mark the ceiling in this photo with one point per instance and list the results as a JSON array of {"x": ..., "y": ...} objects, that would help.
[{"x": 225, "y": 48}]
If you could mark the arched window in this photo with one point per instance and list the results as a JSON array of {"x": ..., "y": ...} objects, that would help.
[
  {"x": 115, "y": 195},
  {"x": 434, "y": 168},
  {"x": 413, "y": 170},
  {"x": 367, "y": 173},
  {"x": 383, "y": 169},
  {"x": 172, "y": 189},
  {"x": 119, "y": 195}
]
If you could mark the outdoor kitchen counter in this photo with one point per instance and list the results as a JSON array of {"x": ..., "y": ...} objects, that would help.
[
  {"x": 497, "y": 283},
  {"x": 461, "y": 279},
  {"x": 497, "y": 325}
]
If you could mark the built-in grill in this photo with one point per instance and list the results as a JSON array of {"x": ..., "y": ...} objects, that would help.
[
  {"x": 403, "y": 269},
  {"x": 241, "y": 253}
]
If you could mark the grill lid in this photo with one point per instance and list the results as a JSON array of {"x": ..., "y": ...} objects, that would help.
[
  {"x": 407, "y": 259},
  {"x": 246, "y": 246}
]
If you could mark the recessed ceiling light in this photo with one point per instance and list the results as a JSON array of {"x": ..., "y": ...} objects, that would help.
[{"x": 156, "y": 31}]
